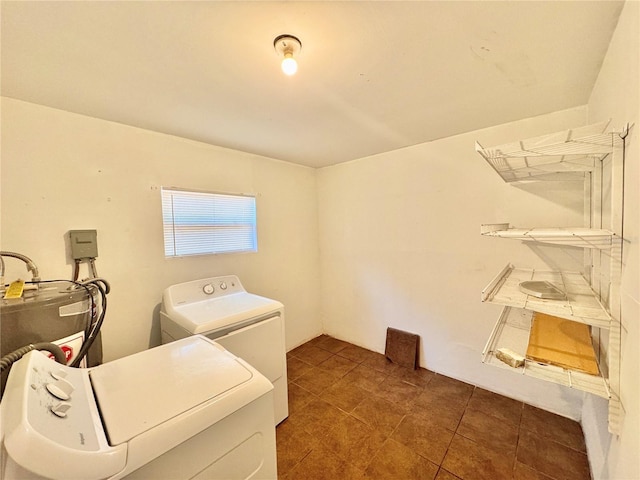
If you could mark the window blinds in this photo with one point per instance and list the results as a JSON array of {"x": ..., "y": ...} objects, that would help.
[{"x": 197, "y": 223}]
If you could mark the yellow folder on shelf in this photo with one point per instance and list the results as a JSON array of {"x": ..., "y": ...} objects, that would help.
[{"x": 563, "y": 343}]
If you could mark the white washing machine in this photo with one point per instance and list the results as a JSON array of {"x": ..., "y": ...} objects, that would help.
[
  {"x": 248, "y": 325},
  {"x": 187, "y": 410}
]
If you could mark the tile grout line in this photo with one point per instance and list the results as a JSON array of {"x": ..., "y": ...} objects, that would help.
[
  {"x": 455, "y": 432},
  {"x": 515, "y": 457},
  {"x": 375, "y": 365}
]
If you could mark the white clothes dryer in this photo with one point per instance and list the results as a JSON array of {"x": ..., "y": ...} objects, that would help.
[
  {"x": 248, "y": 325},
  {"x": 187, "y": 410}
]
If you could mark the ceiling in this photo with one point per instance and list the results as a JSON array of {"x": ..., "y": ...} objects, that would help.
[{"x": 373, "y": 76}]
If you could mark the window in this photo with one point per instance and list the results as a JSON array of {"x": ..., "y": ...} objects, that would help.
[{"x": 197, "y": 223}]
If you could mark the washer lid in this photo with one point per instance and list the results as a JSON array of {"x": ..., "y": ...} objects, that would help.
[
  {"x": 138, "y": 393},
  {"x": 217, "y": 313}
]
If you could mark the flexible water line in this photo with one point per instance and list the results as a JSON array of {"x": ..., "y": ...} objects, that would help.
[
  {"x": 10, "y": 358},
  {"x": 31, "y": 267}
]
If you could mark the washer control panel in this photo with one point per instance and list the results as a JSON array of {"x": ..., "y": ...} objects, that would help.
[
  {"x": 60, "y": 403},
  {"x": 51, "y": 422}
]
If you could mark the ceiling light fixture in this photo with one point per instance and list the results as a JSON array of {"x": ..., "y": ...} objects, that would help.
[{"x": 288, "y": 47}]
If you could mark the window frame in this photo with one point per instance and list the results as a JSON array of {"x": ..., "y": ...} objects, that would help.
[{"x": 177, "y": 245}]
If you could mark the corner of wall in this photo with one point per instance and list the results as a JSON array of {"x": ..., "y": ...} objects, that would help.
[{"x": 616, "y": 95}]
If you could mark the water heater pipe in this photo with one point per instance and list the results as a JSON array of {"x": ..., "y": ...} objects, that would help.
[{"x": 31, "y": 267}]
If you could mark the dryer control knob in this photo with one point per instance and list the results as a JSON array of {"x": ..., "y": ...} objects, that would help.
[
  {"x": 223, "y": 286},
  {"x": 208, "y": 289}
]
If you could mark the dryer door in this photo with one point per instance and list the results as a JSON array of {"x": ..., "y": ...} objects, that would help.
[{"x": 260, "y": 344}]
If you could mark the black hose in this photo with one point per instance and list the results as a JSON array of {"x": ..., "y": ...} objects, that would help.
[
  {"x": 95, "y": 281},
  {"x": 10, "y": 358},
  {"x": 92, "y": 330},
  {"x": 104, "y": 288}
]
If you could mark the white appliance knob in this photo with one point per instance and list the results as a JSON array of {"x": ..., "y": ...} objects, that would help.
[
  {"x": 208, "y": 289},
  {"x": 60, "y": 389},
  {"x": 223, "y": 286},
  {"x": 58, "y": 374},
  {"x": 60, "y": 409}
]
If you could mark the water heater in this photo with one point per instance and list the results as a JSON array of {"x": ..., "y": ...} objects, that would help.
[{"x": 58, "y": 312}]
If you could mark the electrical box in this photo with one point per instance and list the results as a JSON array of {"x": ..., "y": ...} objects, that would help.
[{"x": 84, "y": 244}]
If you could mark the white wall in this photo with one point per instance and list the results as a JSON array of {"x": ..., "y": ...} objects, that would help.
[
  {"x": 62, "y": 171},
  {"x": 398, "y": 240},
  {"x": 401, "y": 247},
  {"x": 615, "y": 96}
]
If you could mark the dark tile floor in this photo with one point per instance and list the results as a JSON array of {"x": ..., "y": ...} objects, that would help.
[{"x": 355, "y": 415}]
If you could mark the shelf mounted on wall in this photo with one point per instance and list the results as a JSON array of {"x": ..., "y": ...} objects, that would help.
[
  {"x": 512, "y": 331},
  {"x": 590, "y": 298},
  {"x": 580, "y": 304},
  {"x": 559, "y": 156},
  {"x": 569, "y": 236}
]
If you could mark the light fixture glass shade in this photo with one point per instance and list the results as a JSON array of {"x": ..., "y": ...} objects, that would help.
[{"x": 289, "y": 65}]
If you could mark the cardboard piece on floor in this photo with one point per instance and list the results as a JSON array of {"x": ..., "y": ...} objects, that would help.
[
  {"x": 563, "y": 343},
  {"x": 402, "y": 348}
]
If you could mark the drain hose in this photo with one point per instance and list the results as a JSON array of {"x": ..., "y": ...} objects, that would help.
[{"x": 10, "y": 358}]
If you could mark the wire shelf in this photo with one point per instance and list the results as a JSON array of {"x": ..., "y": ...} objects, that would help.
[
  {"x": 576, "y": 154},
  {"x": 575, "y": 237},
  {"x": 551, "y": 157},
  {"x": 512, "y": 331},
  {"x": 580, "y": 305}
]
